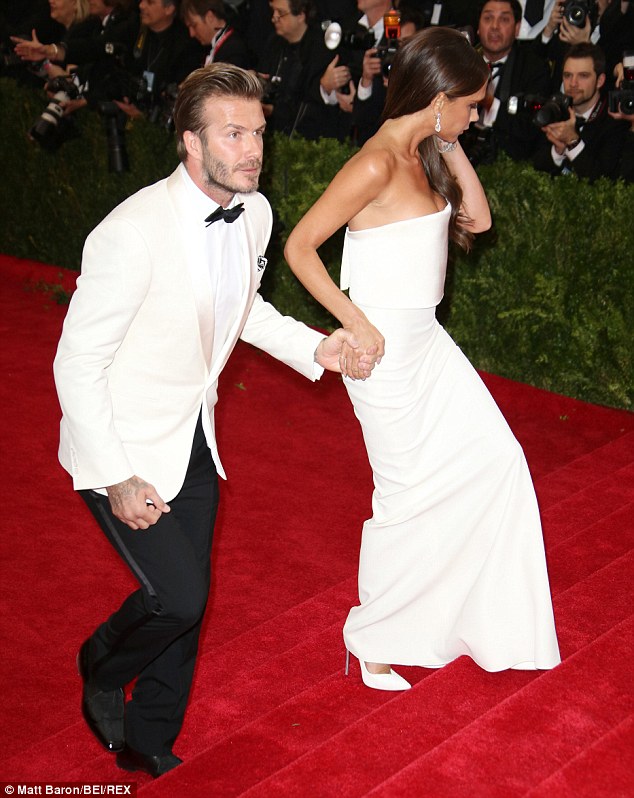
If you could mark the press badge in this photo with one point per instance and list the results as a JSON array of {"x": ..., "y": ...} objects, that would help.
[{"x": 148, "y": 77}]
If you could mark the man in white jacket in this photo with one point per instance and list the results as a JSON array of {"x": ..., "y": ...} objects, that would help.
[{"x": 169, "y": 283}]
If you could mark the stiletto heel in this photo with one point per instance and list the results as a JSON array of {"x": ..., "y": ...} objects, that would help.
[{"x": 379, "y": 681}]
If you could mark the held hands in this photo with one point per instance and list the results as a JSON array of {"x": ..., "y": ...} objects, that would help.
[
  {"x": 129, "y": 503},
  {"x": 341, "y": 352}
]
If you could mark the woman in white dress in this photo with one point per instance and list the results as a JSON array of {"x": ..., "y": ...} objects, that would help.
[{"x": 452, "y": 560}]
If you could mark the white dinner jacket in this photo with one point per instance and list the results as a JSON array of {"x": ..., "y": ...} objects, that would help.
[{"x": 133, "y": 365}]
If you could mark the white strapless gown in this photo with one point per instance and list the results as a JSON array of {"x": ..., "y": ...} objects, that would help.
[{"x": 452, "y": 560}]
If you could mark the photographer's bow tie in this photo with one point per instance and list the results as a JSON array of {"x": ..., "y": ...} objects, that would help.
[{"x": 228, "y": 214}]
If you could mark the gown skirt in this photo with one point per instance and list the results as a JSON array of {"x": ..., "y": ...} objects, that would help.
[{"x": 452, "y": 561}]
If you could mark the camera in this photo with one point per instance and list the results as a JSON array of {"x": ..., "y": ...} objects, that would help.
[
  {"x": 114, "y": 122},
  {"x": 542, "y": 110},
  {"x": 162, "y": 112},
  {"x": 387, "y": 52},
  {"x": 622, "y": 99},
  {"x": 576, "y": 12},
  {"x": 480, "y": 144},
  {"x": 49, "y": 128},
  {"x": 334, "y": 36},
  {"x": 271, "y": 88}
]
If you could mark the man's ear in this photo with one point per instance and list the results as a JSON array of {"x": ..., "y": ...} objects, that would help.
[
  {"x": 600, "y": 80},
  {"x": 192, "y": 145}
]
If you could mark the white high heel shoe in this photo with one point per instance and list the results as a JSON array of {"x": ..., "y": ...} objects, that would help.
[{"x": 379, "y": 681}]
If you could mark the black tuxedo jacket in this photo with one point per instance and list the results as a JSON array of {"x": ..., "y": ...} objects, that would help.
[
  {"x": 604, "y": 138},
  {"x": 523, "y": 73},
  {"x": 233, "y": 50}
]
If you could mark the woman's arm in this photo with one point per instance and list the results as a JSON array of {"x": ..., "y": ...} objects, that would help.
[
  {"x": 474, "y": 201},
  {"x": 358, "y": 183}
]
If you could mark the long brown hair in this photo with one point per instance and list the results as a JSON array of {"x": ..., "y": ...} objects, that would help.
[{"x": 436, "y": 60}]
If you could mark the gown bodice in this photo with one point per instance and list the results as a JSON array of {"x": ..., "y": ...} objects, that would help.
[{"x": 398, "y": 265}]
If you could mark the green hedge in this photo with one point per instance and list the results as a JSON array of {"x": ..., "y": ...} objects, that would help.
[{"x": 546, "y": 297}]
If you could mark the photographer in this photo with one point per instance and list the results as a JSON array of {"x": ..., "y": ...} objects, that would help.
[
  {"x": 515, "y": 71},
  {"x": 624, "y": 111},
  {"x": 293, "y": 60},
  {"x": 74, "y": 22},
  {"x": 370, "y": 96},
  {"x": 208, "y": 22},
  {"x": 162, "y": 57},
  {"x": 589, "y": 142}
]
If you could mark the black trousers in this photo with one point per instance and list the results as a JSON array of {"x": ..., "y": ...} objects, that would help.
[{"x": 153, "y": 636}]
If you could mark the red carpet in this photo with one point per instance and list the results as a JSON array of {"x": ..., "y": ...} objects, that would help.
[{"x": 272, "y": 713}]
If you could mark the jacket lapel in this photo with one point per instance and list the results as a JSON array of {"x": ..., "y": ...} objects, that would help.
[{"x": 193, "y": 243}]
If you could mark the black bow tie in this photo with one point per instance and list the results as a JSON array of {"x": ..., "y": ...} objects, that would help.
[{"x": 228, "y": 214}]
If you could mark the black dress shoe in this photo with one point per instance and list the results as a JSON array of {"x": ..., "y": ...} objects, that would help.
[
  {"x": 102, "y": 709},
  {"x": 156, "y": 766}
]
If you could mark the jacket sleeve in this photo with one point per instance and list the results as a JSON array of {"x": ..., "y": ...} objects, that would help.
[{"x": 114, "y": 280}]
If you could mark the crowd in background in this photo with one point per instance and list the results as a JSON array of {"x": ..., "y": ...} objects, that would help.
[{"x": 561, "y": 93}]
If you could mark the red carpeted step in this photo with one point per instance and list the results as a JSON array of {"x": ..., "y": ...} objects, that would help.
[
  {"x": 593, "y": 466},
  {"x": 592, "y": 547},
  {"x": 250, "y": 750},
  {"x": 285, "y": 576},
  {"x": 610, "y": 760},
  {"x": 529, "y": 736},
  {"x": 440, "y": 706}
]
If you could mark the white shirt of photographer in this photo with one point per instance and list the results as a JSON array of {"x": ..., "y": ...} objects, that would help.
[
  {"x": 362, "y": 92},
  {"x": 222, "y": 259}
]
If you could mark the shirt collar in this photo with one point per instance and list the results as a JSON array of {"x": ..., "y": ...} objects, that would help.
[
  {"x": 378, "y": 28},
  {"x": 201, "y": 204}
]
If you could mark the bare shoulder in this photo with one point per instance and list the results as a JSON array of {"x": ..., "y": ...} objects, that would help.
[{"x": 375, "y": 162}]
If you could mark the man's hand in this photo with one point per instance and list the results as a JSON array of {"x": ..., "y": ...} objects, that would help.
[
  {"x": 561, "y": 134},
  {"x": 335, "y": 76},
  {"x": 341, "y": 352},
  {"x": 371, "y": 67},
  {"x": 571, "y": 34},
  {"x": 129, "y": 503},
  {"x": 128, "y": 108},
  {"x": 346, "y": 101}
]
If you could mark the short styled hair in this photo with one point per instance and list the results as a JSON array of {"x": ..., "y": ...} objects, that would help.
[
  {"x": 201, "y": 7},
  {"x": 587, "y": 50},
  {"x": 516, "y": 8},
  {"x": 214, "y": 80}
]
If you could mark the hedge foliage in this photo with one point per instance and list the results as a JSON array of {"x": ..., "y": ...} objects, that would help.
[{"x": 546, "y": 297}]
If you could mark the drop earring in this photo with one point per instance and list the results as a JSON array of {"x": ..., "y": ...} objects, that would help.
[{"x": 437, "y": 125}]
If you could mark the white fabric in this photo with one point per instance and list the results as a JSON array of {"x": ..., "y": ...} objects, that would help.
[
  {"x": 452, "y": 560},
  {"x": 531, "y": 32},
  {"x": 366, "y": 266},
  {"x": 134, "y": 363}
]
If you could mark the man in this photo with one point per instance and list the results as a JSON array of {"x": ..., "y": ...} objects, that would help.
[
  {"x": 515, "y": 70},
  {"x": 208, "y": 22},
  {"x": 163, "y": 56},
  {"x": 588, "y": 142},
  {"x": 291, "y": 64},
  {"x": 168, "y": 285},
  {"x": 535, "y": 15},
  {"x": 370, "y": 95}
]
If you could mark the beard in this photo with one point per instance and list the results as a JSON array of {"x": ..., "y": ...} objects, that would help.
[{"x": 219, "y": 175}]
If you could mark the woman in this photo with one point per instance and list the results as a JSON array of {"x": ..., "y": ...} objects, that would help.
[
  {"x": 73, "y": 15},
  {"x": 452, "y": 561}
]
